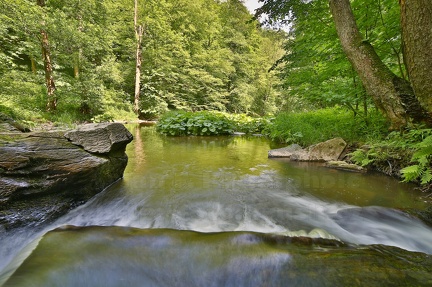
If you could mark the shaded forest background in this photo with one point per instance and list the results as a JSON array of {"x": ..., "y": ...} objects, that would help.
[{"x": 196, "y": 55}]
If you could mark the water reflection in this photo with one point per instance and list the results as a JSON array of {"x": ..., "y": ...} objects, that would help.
[{"x": 183, "y": 164}]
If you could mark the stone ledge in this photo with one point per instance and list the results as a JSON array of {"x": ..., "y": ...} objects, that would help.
[{"x": 43, "y": 175}]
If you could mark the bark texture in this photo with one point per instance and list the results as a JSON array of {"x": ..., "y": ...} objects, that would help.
[
  {"x": 416, "y": 22},
  {"x": 392, "y": 95}
]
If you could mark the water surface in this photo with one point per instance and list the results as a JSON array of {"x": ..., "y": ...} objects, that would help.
[
  {"x": 226, "y": 184},
  {"x": 212, "y": 184}
]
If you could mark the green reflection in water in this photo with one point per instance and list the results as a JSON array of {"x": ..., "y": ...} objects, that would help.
[{"x": 191, "y": 165}]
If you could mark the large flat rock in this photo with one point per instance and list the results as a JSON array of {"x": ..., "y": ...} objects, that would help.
[
  {"x": 100, "y": 138},
  {"x": 43, "y": 175}
]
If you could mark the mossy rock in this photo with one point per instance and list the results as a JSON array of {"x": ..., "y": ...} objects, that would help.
[{"x": 119, "y": 256}]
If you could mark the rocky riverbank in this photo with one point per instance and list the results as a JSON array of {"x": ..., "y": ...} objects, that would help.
[{"x": 45, "y": 174}]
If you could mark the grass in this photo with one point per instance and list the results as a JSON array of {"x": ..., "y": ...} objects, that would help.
[{"x": 309, "y": 128}]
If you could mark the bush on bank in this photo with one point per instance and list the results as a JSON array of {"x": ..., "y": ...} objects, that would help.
[{"x": 206, "y": 123}]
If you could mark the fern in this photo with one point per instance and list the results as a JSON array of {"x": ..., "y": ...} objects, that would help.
[
  {"x": 422, "y": 170},
  {"x": 411, "y": 173},
  {"x": 426, "y": 176},
  {"x": 361, "y": 157}
]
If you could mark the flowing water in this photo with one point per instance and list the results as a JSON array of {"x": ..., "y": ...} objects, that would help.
[{"x": 227, "y": 184}]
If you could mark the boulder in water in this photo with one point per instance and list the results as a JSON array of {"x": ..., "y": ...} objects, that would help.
[
  {"x": 329, "y": 150},
  {"x": 43, "y": 175}
]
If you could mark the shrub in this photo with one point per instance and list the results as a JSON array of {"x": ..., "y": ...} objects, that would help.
[
  {"x": 180, "y": 123},
  {"x": 198, "y": 123},
  {"x": 246, "y": 124}
]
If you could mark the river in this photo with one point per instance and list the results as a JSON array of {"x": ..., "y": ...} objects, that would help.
[{"x": 227, "y": 184}]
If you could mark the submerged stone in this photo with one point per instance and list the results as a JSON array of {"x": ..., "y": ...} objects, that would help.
[
  {"x": 343, "y": 165},
  {"x": 119, "y": 256},
  {"x": 285, "y": 151}
]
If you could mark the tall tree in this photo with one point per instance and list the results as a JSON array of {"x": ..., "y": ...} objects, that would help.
[
  {"x": 392, "y": 95},
  {"x": 416, "y": 23},
  {"x": 46, "y": 55},
  {"x": 383, "y": 85},
  {"x": 139, "y": 31}
]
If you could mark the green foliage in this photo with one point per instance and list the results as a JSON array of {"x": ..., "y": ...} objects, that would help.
[
  {"x": 208, "y": 55},
  {"x": 196, "y": 55},
  {"x": 182, "y": 123},
  {"x": 249, "y": 125},
  {"x": 316, "y": 126},
  {"x": 423, "y": 157},
  {"x": 362, "y": 157},
  {"x": 314, "y": 68},
  {"x": 198, "y": 124},
  {"x": 410, "y": 152}
]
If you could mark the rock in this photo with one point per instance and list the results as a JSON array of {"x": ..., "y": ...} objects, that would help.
[
  {"x": 326, "y": 151},
  {"x": 7, "y": 127},
  {"x": 424, "y": 215},
  {"x": 43, "y": 175},
  {"x": 100, "y": 138},
  {"x": 345, "y": 166},
  {"x": 285, "y": 151}
]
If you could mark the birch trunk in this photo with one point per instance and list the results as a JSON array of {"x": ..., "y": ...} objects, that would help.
[{"x": 138, "y": 55}]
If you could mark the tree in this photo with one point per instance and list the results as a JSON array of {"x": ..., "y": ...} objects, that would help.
[
  {"x": 392, "y": 94},
  {"x": 48, "y": 67},
  {"x": 416, "y": 23},
  {"x": 199, "y": 55},
  {"x": 139, "y": 30}
]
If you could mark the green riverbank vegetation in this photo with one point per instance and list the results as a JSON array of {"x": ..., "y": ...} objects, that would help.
[{"x": 211, "y": 123}]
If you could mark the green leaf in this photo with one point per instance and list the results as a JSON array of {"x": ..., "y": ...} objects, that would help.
[
  {"x": 410, "y": 173},
  {"x": 426, "y": 176}
]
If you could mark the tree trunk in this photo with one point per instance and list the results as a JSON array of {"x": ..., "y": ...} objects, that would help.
[
  {"x": 77, "y": 56},
  {"x": 416, "y": 23},
  {"x": 138, "y": 54},
  {"x": 33, "y": 65},
  {"x": 76, "y": 65},
  {"x": 49, "y": 79},
  {"x": 392, "y": 95}
]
